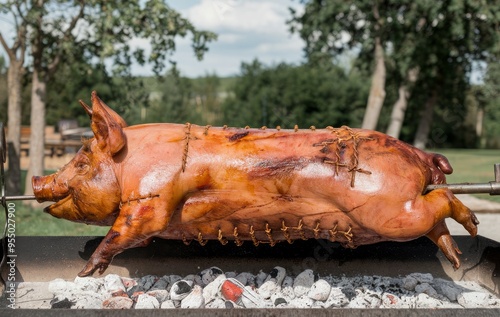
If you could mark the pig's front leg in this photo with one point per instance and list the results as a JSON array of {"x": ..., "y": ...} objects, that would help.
[{"x": 137, "y": 223}]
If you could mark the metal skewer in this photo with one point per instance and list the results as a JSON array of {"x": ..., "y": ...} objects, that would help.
[
  {"x": 492, "y": 188},
  {"x": 19, "y": 197}
]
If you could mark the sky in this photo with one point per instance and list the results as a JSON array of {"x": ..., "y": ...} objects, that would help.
[{"x": 246, "y": 30}]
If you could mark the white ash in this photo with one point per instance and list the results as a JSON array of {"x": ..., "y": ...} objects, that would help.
[
  {"x": 194, "y": 299},
  {"x": 145, "y": 301},
  {"x": 277, "y": 288},
  {"x": 250, "y": 298},
  {"x": 212, "y": 289},
  {"x": 320, "y": 290}
]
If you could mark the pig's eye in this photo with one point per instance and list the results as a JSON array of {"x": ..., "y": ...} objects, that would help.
[{"x": 81, "y": 167}]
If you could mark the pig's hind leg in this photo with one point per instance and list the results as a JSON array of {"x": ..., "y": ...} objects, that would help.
[
  {"x": 425, "y": 215},
  {"x": 447, "y": 205},
  {"x": 440, "y": 235},
  {"x": 135, "y": 226}
]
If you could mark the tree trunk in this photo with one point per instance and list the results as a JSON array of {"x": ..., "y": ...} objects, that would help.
[
  {"x": 399, "y": 107},
  {"x": 479, "y": 127},
  {"x": 398, "y": 112},
  {"x": 37, "y": 139},
  {"x": 479, "y": 122},
  {"x": 13, "y": 184},
  {"x": 424, "y": 126},
  {"x": 377, "y": 89}
]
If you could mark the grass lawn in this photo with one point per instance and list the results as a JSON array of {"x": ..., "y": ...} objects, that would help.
[{"x": 474, "y": 166}]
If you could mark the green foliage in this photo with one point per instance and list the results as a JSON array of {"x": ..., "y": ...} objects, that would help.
[
  {"x": 113, "y": 24},
  {"x": 491, "y": 104},
  {"x": 173, "y": 102},
  {"x": 440, "y": 38},
  {"x": 208, "y": 99},
  {"x": 180, "y": 99},
  {"x": 286, "y": 95},
  {"x": 330, "y": 28},
  {"x": 124, "y": 96},
  {"x": 73, "y": 39}
]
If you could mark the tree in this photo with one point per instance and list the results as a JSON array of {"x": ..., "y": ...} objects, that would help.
[
  {"x": 16, "y": 54},
  {"x": 490, "y": 104},
  {"x": 65, "y": 31},
  {"x": 287, "y": 95},
  {"x": 3, "y": 90},
  {"x": 432, "y": 42},
  {"x": 457, "y": 34},
  {"x": 399, "y": 107},
  {"x": 63, "y": 94},
  {"x": 208, "y": 101},
  {"x": 180, "y": 99},
  {"x": 47, "y": 39},
  {"x": 174, "y": 101},
  {"x": 332, "y": 27}
]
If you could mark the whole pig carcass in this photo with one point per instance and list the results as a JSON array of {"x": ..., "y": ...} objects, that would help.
[{"x": 199, "y": 183}]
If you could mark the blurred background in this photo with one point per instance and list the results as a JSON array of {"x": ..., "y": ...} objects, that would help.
[{"x": 425, "y": 72}]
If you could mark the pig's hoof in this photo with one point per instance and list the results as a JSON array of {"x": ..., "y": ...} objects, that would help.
[
  {"x": 465, "y": 216},
  {"x": 472, "y": 228},
  {"x": 91, "y": 267},
  {"x": 450, "y": 250},
  {"x": 87, "y": 271}
]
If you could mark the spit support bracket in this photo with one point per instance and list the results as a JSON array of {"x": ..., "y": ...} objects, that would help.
[{"x": 3, "y": 159}]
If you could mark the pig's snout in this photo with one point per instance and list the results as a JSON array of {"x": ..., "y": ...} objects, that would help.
[{"x": 46, "y": 188}]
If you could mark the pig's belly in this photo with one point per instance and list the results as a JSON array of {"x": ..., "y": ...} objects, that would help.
[{"x": 263, "y": 218}]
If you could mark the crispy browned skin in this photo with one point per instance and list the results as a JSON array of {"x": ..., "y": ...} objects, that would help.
[{"x": 264, "y": 185}]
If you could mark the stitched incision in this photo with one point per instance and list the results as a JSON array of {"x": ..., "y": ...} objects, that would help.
[
  {"x": 187, "y": 131},
  {"x": 285, "y": 230},
  {"x": 137, "y": 199},
  {"x": 345, "y": 138}
]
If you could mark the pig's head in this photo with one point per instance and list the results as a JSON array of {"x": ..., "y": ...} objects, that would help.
[{"x": 86, "y": 189}]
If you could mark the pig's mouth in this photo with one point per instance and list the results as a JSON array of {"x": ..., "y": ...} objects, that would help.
[{"x": 58, "y": 203}]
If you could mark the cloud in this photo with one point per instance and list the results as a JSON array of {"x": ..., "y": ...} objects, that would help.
[
  {"x": 262, "y": 17},
  {"x": 229, "y": 38},
  {"x": 283, "y": 47},
  {"x": 246, "y": 30}
]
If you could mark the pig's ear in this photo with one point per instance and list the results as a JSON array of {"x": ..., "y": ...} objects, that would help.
[
  {"x": 110, "y": 111},
  {"x": 107, "y": 129},
  {"x": 87, "y": 109}
]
